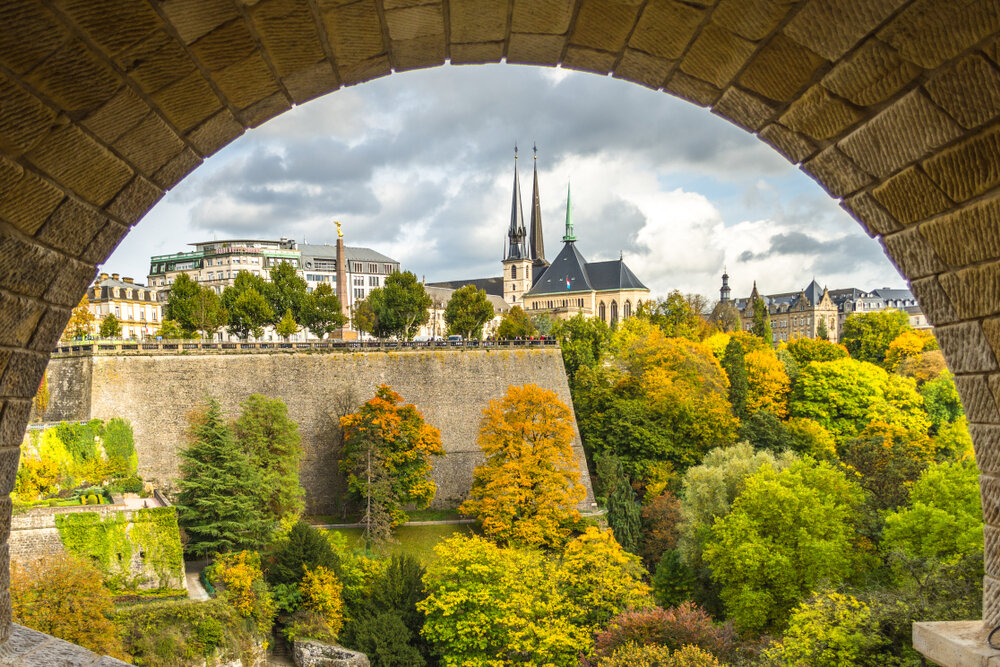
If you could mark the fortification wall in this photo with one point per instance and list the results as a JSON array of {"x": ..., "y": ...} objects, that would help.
[{"x": 451, "y": 388}]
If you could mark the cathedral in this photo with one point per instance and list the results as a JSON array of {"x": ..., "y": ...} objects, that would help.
[{"x": 569, "y": 285}]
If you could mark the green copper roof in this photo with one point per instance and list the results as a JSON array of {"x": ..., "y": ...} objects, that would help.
[{"x": 570, "y": 236}]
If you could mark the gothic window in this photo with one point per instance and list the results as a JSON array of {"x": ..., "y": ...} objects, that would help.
[
  {"x": 601, "y": 313},
  {"x": 513, "y": 273},
  {"x": 614, "y": 312},
  {"x": 627, "y": 310}
]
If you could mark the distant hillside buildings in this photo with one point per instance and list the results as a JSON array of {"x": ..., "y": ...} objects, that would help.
[{"x": 798, "y": 314}]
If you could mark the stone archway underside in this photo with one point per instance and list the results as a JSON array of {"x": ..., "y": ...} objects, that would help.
[{"x": 891, "y": 105}]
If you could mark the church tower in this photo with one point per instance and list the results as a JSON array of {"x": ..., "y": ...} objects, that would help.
[
  {"x": 517, "y": 262},
  {"x": 724, "y": 291},
  {"x": 537, "y": 242}
]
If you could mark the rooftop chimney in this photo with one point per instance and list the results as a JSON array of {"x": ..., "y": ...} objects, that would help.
[
  {"x": 104, "y": 276},
  {"x": 114, "y": 276},
  {"x": 130, "y": 281}
]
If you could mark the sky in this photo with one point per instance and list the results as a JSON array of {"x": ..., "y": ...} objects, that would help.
[{"x": 419, "y": 166}]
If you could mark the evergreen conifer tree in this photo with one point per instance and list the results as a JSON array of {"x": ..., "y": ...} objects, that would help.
[
  {"x": 821, "y": 331},
  {"x": 762, "y": 321},
  {"x": 735, "y": 366},
  {"x": 219, "y": 504},
  {"x": 624, "y": 512}
]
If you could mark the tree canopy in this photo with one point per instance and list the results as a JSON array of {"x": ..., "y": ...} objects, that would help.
[
  {"x": 515, "y": 323},
  {"x": 321, "y": 311},
  {"x": 400, "y": 306},
  {"x": 867, "y": 336},
  {"x": 111, "y": 327},
  {"x": 467, "y": 311}
]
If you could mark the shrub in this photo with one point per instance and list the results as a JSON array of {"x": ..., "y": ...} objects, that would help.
[
  {"x": 303, "y": 547},
  {"x": 130, "y": 484},
  {"x": 64, "y": 596},
  {"x": 119, "y": 446},
  {"x": 653, "y": 655},
  {"x": 321, "y": 615},
  {"x": 673, "y": 628},
  {"x": 673, "y": 580},
  {"x": 245, "y": 588},
  {"x": 829, "y": 630},
  {"x": 660, "y": 519},
  {"x": 387, "y": 642}
]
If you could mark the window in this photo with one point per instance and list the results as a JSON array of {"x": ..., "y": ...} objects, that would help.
[
  {"x": 614, "y": 312},
  {"x": 373, "y": 281},
  {"x": 388, "y": 269},
  {"x": 580, "y": 302},
  {"x": 154, "y": 314},
  {"x": 359, "y": 281},
  {"x": 627, "y": 310},
  {"x": 142, "y": 315},
  {"x": 118, "y": 312},
  {"x": 601, "y": 313},
  {"x": 513, "y": 273},
  {"x": 373, "y": 268}
]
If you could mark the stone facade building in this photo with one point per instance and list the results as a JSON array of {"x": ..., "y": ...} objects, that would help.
[
  {"x": 798, "y": 314},
  {"x": 569, "y": 285},
  {"x": 135, "y": 306}
]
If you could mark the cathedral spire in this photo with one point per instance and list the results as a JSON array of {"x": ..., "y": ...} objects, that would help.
[
  {"x": 570, "y": 236},
  {"x": 516, "y": 241},
  {"x": 537, "y": 243}
]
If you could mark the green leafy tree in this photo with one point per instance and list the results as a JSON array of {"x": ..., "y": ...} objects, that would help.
[
  {"x": 81, "y": 321},
  {"x": 725, "y": 317},
  {"x": 761, "y": 326},
  {"x": 207, "y": 313},
  {"x": 304, "y": 547},
  {"x": 400, "y": 306},
  {"x": 765, "y": 431},
  {"x": 180, "y": 305},
  {"x": 673, "y": 580},
  {"x": 272, "y": 442},
  {"x": 822, "y": 333},
  {"x": 111, "y": 327},
  {"x": 804, "y": 350},
  {"x": 584, "y": 342},
  {"x": 286, "y": 291},
  {"x": 247, "y": 307},
  {"x": 170, "y": 330},
  {"x": 467, "y": 311},
  {"x": 735, "y": 366},
  {"x": 941, "y": 398},
  {"x": 287, "y": 327},
  {"x": 364, "y": 318},
  {"x": 829, "y": 630},
  {"x": 322, "y": 311},
  {"x": 624, "y": 512},
  {"x": 839, "y": 395},
  {"x": 218, "y": 503},
  {"x": 515, "y": 323},
  {"x": 119, "y": 446},
  {"x": 387, "y": 459},
  {"x": 888, "y": 459},
  {"x": 787, "y": 532},
  {"x": 677, "y": 315},
  {"x": 867, "y": 336},
  {"x": 544, "y": 323}
]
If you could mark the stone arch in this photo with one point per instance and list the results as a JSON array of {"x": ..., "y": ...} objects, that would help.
[{"x": 890, "y": 105}]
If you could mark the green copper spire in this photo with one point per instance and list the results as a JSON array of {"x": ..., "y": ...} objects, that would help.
[{"x": 570, "y": 236}]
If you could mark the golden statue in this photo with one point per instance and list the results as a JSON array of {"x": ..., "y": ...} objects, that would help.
[{"x": 340, "y": 234}]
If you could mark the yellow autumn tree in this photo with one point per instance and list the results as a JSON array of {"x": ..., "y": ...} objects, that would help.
[
  {"x": 321, "y": 616},
  {"x": 768, "y": 383},
  {"x": 81, "y": 321},
  {"x": 907, "y": 345},
  {"x": 527, "y": 490}
]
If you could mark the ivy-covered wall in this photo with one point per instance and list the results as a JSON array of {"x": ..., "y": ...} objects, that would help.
[{"x": 137, "y": 549}]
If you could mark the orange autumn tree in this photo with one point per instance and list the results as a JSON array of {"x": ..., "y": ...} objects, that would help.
[
  {"x": 527, "y": 490},
  {"x": 387, "y": 460}
]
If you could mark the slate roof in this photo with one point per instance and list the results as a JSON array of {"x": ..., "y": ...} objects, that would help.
[
  {"x": 351, "y": 253},
  {"x": 492, "y": 286},
  {"x": 583, "y": 276},
  {"x": 814, "y": 293},
  {"x": 443, "y": 295}
]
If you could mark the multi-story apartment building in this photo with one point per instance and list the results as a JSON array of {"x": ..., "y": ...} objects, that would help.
[
  {"x": 135, "y": 306},
  {"x": 216, "y": 263}
]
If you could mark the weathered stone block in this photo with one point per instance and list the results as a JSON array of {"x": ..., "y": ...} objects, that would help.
[
  {"x": 225, "y": 46},
  {"x": 744, "y": 109},
  {"x": 643, "y": 69},
  {"x": 965, "y": 347},
  {"x": 149, "y": 145},
  {"x": 914, "y": 257},
  {"x": 535, "y": 49},
  {"x": 194, "y": 18},
  {"x": 119, "y": 115},
  {"x": 104, "y": 242},
  {"x": 22, "y": 262},
  {"x": 933, "y": 301},
  {"x": 174, "y": 171},
  {"x": 81, "y": 164},
  {"x": 310, "y": 653},
  {"x": 478, "y": 20},
  {"x": 25, "y": 119},
  {"x": 113, "y": 24},
  {"x": 266, "y": 109},
  {"x": 986, "y": 442},
  {"x": 418, "y": 53},
  {"x": 32, "y": 33},
  {"x": 666, "y": 27},
  {"x": 134, "y": 201},
  {"x": 820, "y": 115},
  {"x": 588, "y": 60},
  {"x": 717, "y": 55},
  {"x": 188, "y": 102},
  {"x": 25, "y": 199},
  {"x": 311, "y": 82},
  {"x": 969, "y": 169},
  {"x": 898, "y": 136},
  {"x": 365, "y": 70},
  {"x": 247, "y": 81},
  {"x": 969, "y": 91},
  {"x": 75, "y": 78},
  {"x": 290, "y": 35},
  {"x": 71, "y": 227},
  {"x": 13, "y": 419},
  {"x": 9, "y": 458},
  {"x": 18, "y": 320},
  {"x": 550, "y": 17},
  {"x": 780, "y": 69},
  {"x": 967, "y": 235},
  {"x": 70, "y": 283},
  {"x": 830, "y": 28},
  {"x": 156, "y": 62},
  {"x": 989, "y": 487},
  {"x": 355, "y": 36},
  {"x": 836, "y": 173},
  {"x": 215, "y": 133},
  {"x": 980, "y": 406},
  {"x": 910, "y": 196},
  {"x": 49, "y": 329},
  {"x": 691, "y": 89},
  {"x": 928, "y": 32},
  {"x": 974, "y": 292},
  {"x": 751, "y": 19},
  {"x": 475, "y": 54},
  {"x": 870, "y": 214},
  {"x": 414, "y": 22},
  {"x": 603, "y": 25},
  {"x": 20, "y": 379},
  {"x": 792, "y": 145},
  {"x": 871, "y": 74}
]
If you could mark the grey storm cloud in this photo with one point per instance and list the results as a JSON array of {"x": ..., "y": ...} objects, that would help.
[{"x": 838, "y": 255}]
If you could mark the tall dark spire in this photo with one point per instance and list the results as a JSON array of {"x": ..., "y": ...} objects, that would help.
[
  {"x": 517, "y": 247},
  {"x": 537, "y": 243},
  {"x": 724, "y": 292}
]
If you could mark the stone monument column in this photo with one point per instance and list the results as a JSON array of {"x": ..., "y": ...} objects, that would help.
[{"x": 344, "y": 333}]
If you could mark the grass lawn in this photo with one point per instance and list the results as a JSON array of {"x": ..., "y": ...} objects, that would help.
[
  {"x": 418, "y": 541},
  {"x": 415, "y": 515}
]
